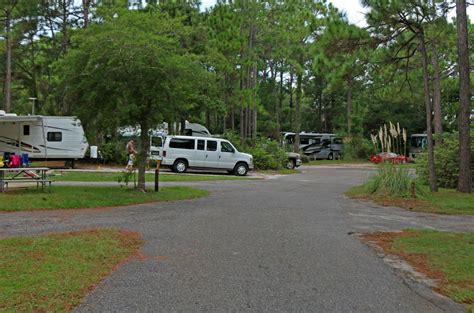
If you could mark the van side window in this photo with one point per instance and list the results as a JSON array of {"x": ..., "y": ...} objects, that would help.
[
  {"x": 26, "y": 130},
  {"x": 54, "y": 136},
  {"x": 201, "y": 144},
  {"x": 182, "y": 143},
  {"x": 211, "y": 145},
  {"x": 226, "y": 147}
]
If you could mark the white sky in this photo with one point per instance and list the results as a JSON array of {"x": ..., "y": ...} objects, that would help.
[{"x": 352, "y": 8}]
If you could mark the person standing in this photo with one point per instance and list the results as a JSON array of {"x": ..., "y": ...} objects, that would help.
[{"x": 130, "y": 147}]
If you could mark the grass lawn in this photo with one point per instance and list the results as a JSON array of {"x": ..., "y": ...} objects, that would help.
[
  {"x": 62, "y": 197},
  {"x": 445, "y": 201},
  {"x": 113, "y": 177},
  {"x": 284, "y": 171},
  {"x": 447, "y": 257},
  {"x": 339, "y": 162},
  {"x": 53, "y": 273}
]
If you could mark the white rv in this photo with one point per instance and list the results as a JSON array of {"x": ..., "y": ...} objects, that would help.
[{"x": 42, "y": 137}]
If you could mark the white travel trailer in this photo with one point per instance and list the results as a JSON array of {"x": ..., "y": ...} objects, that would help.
[{"x": 43, "y": 137}]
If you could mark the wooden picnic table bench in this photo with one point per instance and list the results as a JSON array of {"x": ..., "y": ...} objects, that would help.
[{"x": 24, "y": 175}]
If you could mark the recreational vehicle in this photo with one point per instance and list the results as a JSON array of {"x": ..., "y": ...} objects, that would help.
[
  {"x": 418, "y": 143},
  {"x": 42, "y": 137},
  {"x": 158, "y": 135},
  {"x": 317, "y": 145}
]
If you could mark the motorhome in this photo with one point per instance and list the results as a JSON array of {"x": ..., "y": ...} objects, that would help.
[
  {"x": 418, "y": 143},
  {"x": 183, "y": 152},
  {"x": 158, "y": 134},
  {"x": 317, "y": 145},
  {"x": 43, "y": 137}
]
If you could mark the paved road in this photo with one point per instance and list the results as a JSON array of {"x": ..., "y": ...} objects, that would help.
[{"x": 276, "y": 245}]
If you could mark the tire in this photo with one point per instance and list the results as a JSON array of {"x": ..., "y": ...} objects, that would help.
[
  {"x": 180, "y": 166},
  {"x": 241, "y": 169},
  {"x": 291, "y": 164},
  {"x": 331, "y": 156}
]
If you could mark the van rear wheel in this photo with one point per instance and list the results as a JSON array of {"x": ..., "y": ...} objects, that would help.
[
  {"x": 180, "y": 166},
  {"x": 241, "y": 169}
]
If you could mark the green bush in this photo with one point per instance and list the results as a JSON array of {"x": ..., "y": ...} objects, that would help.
[
  {"x": 114, "y": 152},
  {"x": 357, "y": 148},
  {"x": 446, "y": 161},
  {"x": 267, "y": 154},
  {"x": 394, "y": 181}
]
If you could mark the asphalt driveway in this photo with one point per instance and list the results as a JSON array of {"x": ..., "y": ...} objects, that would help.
[{"x": 273, "y": 245}]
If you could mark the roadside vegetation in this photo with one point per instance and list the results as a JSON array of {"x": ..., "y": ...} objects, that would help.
[
  {"x": 446, "y": 257},
  {"x": 150, "y": 177},
  {"x": 53, "y": 273},
  {"x": 445, "y": 201},
  {"x": 62, "y": 197},
  {"x": 340, "y": 162}
]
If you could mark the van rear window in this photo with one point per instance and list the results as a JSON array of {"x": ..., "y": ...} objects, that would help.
[{"x": 181, "y": 143}]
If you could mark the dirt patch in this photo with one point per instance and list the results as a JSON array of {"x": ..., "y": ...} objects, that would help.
[
  {"x": 419, "y": 261},
  {"x": 411, "y": 204}
]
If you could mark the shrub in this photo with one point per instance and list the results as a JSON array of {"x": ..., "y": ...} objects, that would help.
[
  {"x": 446, "y": 161},
  {"x": 356, "y": 148},
  {"x": 394, "y": 181},
  {"x": 114, "y": 152},
  {"x": 267, "y": 154}
]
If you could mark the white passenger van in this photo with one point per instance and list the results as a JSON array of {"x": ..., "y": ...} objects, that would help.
[{"x": 183, "y": 152}]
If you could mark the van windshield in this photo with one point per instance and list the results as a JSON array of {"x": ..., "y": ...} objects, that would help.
[{"x": 226, "y": 147}]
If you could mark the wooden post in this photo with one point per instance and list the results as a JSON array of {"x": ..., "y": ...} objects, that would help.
[{"x": 157, "y": 176}]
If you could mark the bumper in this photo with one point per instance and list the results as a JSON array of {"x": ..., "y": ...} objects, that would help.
[{"x": 298, "y": 162}]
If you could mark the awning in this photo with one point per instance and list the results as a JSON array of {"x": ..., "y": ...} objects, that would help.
[{"x": 20, "y": 119}]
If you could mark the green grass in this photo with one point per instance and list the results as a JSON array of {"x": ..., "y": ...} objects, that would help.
[
  {"x": 445, "y": 201},
  {"x": 113, "y": 177},
  {"x": 284, "y": 171},
  {"x": 62, "y": 197},
  {"x": 339, "y": 162},
  {"x": 447, "y": 253},
  {"x": 53, "y": 273}
]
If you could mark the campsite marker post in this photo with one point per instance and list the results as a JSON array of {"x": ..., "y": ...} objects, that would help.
[{"x": 157, "y": 175}]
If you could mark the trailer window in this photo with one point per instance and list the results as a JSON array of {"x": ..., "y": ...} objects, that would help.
[
  {"x": 26, "y": 130},
  {"x": 55, "y": 136},
  {"x": 304, "y": 141},
  {"x": 181, "y": 143}
]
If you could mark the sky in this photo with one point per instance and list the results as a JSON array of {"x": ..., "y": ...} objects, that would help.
[{"x": 352, "y": 8}]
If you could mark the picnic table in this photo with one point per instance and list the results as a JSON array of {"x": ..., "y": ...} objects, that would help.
[{"x": 23, "y": 175}]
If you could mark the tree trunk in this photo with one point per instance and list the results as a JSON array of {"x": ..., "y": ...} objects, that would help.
[
  {"x": 280, "y": 104},
  {"x": 438, "y": 116},
  {"x": 85, "y": 11},
  {"x": 465, "y": 179},
  {"x": 183, "y": 126},
  {"x": 64, "y": 29},
  {"x": 297, "y": 129},
  {"x": 290, "y": 88},
  {"x": 8, "y": 61},
  {"x": 142, "y": 156},
  {"x": 429, "y": 131},
  {"x": 349, "y": 106}
]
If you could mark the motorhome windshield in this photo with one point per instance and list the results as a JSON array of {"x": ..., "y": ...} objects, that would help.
[{"x": 418, "y": 142}]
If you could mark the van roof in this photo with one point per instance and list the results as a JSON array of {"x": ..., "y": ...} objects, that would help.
[{"x": 196, "y": 137}]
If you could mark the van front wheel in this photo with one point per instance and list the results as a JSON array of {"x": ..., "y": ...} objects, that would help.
[
  {"x": 180, "y": 166},
  {"x": 241, "y": 169}
]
